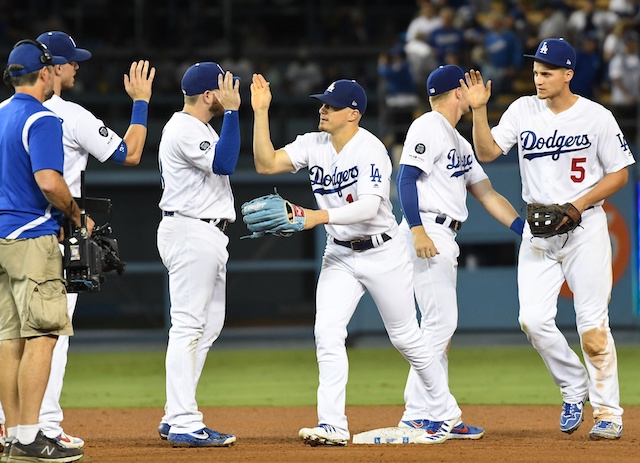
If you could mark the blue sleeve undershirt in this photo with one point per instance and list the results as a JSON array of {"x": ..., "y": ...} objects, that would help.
[
  {"x": 120, "y": 154},
  {"x": 408, "y": 193},
  {"x": 139, "y": 114},
  {"x": 227, "y": 149}
]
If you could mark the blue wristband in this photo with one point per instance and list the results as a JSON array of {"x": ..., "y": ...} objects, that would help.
[
  {"x": 139, "y": 112},
  {"x": 517, "y": 225}
]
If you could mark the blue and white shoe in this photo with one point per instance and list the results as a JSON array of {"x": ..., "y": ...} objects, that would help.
[
  {"x": 460, "y": 431},
  {"x": 571, "y": 416},
  {"x": 605, "y": 430},
  {"x": 205, "y": 437},
  {"x": 437, "y": 432},
  {"x": 415, "y": 424},
  {"x": 163, "y": 430}
]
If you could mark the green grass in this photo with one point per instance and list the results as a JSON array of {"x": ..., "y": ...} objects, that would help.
[{"x": 496, "y": 375}]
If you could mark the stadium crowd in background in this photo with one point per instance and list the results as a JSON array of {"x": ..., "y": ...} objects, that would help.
[{"x": 481, "y": 34}]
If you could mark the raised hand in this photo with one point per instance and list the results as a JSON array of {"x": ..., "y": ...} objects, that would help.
[
  {"x": 260, "y": 93},
  {"x": 228, "y": 91},
  {"x": 138, "y": 83},
  {"x": 476, "y": 92}
]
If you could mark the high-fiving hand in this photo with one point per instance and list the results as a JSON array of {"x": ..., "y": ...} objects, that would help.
[{"x": 476, "y": 92}]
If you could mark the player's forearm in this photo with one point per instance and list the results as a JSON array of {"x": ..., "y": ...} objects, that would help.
[
  {"x": 362, "y": 210},
  {"x": 606, "y": 187},
  {"x": 314, "y": 218},
  {"x": 56, "y": 191},
  {"x": 264, "y": 154},
  {"x": 483, "y": 142},
  {"x": 501, "y": 209},
  {"x": 495, "y": 204},
  {"x": 135, "y": 139},
  {"x": 227, "y": 149},
  {"x": 136, "y": 135}
]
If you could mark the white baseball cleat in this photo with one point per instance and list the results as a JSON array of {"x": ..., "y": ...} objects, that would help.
[{"x": 324, "y": 434}]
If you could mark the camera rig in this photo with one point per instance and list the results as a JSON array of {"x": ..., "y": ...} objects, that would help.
[{"x": 88, "y": 258}]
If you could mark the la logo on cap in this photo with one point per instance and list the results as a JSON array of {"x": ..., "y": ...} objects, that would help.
[
  {"x": 544, "y": 48},
  {"x": 331, "y": 87}
]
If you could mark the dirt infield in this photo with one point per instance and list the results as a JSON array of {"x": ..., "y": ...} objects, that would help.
[{"x": 269, "y": 435}]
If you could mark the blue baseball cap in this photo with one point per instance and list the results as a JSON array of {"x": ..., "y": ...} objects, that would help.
[
  {"x": 443, "y": 79},
  {"x": 344, "y": 93},
  {"x": 556, "y": 52},
  {"x": 33, "y": 56},
  {"x": 201, "y": 77},
  {"x": 61, "y": 43}
]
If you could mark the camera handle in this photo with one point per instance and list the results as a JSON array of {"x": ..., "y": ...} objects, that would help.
[{"x": 83, "y": 211}]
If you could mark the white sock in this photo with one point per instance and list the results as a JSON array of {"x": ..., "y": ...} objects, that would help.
[
  {"x": 12, "y": 432},
  {"x": 26, "y": 433}
]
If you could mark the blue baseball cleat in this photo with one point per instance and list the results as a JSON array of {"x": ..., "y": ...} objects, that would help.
[
  {"x": 205, "y": 437},
  {"x": 605, "y": 430},
  {"x": 571, "y": 416},
  {"x": 466, "y": 431},
  {"x": 163, "y": 430},
  {"x": 459, "y": 431}
]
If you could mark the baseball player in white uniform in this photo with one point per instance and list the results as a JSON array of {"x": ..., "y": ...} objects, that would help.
[
  {"x": 350, "y": 174},
  {"x": 570, "y": 149},
  {"x": 197, "y": 203},
  {"x": 437, "y": 168},
  {"x": 84, "y": 134}
]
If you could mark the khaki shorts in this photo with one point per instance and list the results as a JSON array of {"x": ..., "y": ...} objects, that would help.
[{"x": 33, "y": 297}]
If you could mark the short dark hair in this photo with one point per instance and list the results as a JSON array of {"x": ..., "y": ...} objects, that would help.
[{"x": 26, "y": 79}]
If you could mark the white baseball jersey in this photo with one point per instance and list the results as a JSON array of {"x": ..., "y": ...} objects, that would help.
[
  {"x": 449, "y": 166},
  {"x": 82, "y": 134},
  {"x": 562, "y": 156},
  {"x": 448, "y": 163},
  {"x": 362, "y": 167},
  {"x": 195, "y": 255},
  {"x": 185, "y": 156}
]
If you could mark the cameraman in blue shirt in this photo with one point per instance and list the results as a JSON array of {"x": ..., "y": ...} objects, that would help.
[{"x": 33, "y": 198}]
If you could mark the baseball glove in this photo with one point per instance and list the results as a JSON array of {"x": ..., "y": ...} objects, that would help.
[
  {"x": 272, "y": 214},
  {"x": 544, "y": 220}
]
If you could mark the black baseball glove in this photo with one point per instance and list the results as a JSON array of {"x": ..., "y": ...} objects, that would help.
[{"x": 545, "y": 220}]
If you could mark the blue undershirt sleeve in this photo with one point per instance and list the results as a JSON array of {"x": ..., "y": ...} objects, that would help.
[
  {"x": 120, "y": 154},
  {"x": 408, "y": 193},
  {"x": 228, "y": 147}
]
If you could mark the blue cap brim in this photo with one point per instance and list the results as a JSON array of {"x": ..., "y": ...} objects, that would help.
[
  {"x": 327, "y": 99},
  {"x": 58, "y": 59},
  {"x": 536, "y": 58},
  {"x": 81, "y": 54}
]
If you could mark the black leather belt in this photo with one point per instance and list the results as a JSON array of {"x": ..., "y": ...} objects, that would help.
[
  {"x": 454, "y": 225},
  {"x": 361, "y": 245},
  {"x": 222, "y": 224}
]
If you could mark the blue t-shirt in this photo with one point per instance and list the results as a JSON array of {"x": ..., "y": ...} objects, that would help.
[{"x": 30, "y": 140}]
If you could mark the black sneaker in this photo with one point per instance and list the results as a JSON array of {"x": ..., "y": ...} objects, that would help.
[{"x": 43, "y": 449}]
